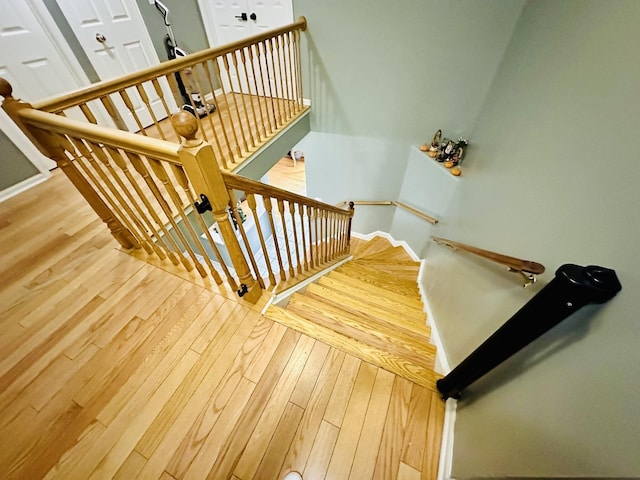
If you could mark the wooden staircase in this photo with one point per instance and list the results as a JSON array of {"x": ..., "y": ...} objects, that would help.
[{"x": 369, "y": 307}]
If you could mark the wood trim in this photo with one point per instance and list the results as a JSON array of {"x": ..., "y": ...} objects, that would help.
[
  {"x": 251, "y": 186},
  {"x": 148, "y": 146},
  {"x": 165, "y": 68},
  {"x": 514, "y": 263}
]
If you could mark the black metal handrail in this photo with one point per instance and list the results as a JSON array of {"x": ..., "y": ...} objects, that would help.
[{"x": 572, "y": 288}]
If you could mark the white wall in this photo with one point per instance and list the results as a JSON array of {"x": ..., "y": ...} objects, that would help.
[{"x": 553, "y": 178}]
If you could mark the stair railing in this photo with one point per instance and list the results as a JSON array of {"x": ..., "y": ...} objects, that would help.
[
  {"x": 572, "y": 288},
  {"x": 255, "y": 85},
  {"x": 527, "y": 268},
  {"x": 174, "y": 203},
  {"x": 398, "y": 204}
]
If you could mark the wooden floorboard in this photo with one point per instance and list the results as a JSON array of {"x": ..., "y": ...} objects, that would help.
[{"x": 114, "y": 368}]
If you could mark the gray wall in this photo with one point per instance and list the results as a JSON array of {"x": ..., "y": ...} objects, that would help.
[
  {"x": 553, "y": 178},
  {"x": 14, "y": 166},
  {"x": 186, "y": 22},
  {"x": 382, "y": 76}
]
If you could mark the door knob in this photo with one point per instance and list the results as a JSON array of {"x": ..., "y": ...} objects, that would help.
[
  {"x": 242, "y": 16},
  {"x": 101, "y": 38},
  {"x": 253, "y": 16}
]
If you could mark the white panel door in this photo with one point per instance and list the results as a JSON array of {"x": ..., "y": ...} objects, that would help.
[
  {"x": 29, "y": 60},
  {"x": 114, "y": 37},
  {"x": 234, "y": 20}
]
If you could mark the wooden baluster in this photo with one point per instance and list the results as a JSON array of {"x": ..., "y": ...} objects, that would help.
[
  {"x": 310, "y": 224},
  {"x": 318, "y": 235},
  {"x": 145, "y": 240},
  {"x": 332, "y": 237},
  {"x": 221, "y": 157},
  {"x": 283, "y": 82},
  {"x": 185, "y": 76},
  {"x": 108, "y": 193},
  {"x": 292, "y": 212},
  {"x": 88, "y": 114},
  {"x": 286, "y": 237},
  {"x": 177, "y": 96},
  {"x": 160, "y": 93},
  {"x": 113, "y": 113},
  {"x": 273, "y": 83},
  {"x": 50, "y": 147},
  {"x": 298, "y": 69},
  {"x": 236, "y": 62},
  {"x": 160, "y": 173},
  {"x": 183, "y": 181},
  {"x": 141, "y": 168},
  {"x": 325, "y": 236},
  {"x": 286, "y": 54},
  {"x": 233, "y": 206},
  {"x": 304, "y": 240},
  {"x": 225, "y": 95},
  {"x": 251, "y": 201},
  {"x": 343, "y": 234},
  {"x": 204, "y": 173},
  {"x": 129, "y": 104},
  {"x": 222, "y": 122},
  {"x": 268, "y": 208},
  {"x": 147, "y": 103},
  {"x": 266, "y": 85},
  {"x": 160, "y": 242},
  {"x": 225, "y": 62},
  {"x": 249, "y": 58}
]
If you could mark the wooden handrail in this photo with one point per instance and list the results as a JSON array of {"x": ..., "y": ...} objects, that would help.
[
  {"x": 100, "y": 89},
  {"x": 527, "y": 268},
  {"x": 396, "y": 203},
  {"x": 148, "y": 146},
  {"x": 242, "y": 183}
]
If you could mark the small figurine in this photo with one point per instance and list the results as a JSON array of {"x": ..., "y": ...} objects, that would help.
[
  {"x": 461, "y": 148},
  {"x": 435, "y": 144},
  {"x": 424, "y": 147},
  {"x": 455, "y": 159},
  {"x": 446, "y": 152},
  {"x": 456, "y": 172}
]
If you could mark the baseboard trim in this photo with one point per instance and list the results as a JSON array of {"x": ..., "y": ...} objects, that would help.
[
  {"x": 22, "y": 186},
  {"x": 278, "y": 297},
  {"x": 446, "y": 448},
  {"x": 394, "y": 242}
]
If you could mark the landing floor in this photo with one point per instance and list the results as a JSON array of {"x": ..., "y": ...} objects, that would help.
[{"x": 112, "y": 368}]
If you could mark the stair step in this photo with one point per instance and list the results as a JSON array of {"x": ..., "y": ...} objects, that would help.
[
  {"x": 382, "y": 358},
  {"x": 364, "y": 328},
  {"x": 375, "y": 246},
  {"x": 379, "y": 314},
  {"x": 409, "y": 300},
  {"x": 379, "y": 278},
  {"x": 405, "y": 270},
  {"x": 356, "y": 245},
  {"x": 366, "y": 295},
  {"x": 391, "y": 255}
]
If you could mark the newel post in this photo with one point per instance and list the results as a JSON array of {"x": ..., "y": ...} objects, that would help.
[
  {"x": 50, "y": 147},
  {"x": 351, "y": 212},
  {"x": 203, "y": 171}
]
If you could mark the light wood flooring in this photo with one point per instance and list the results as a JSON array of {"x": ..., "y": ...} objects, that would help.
[{"x": 114, "y": 368}]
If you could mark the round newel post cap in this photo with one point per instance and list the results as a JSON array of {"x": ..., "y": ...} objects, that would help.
[
  {"x": 187, "y": 126},
  {"x": 6, "y": 89}
]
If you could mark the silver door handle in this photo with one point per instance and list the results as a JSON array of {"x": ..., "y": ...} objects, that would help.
[{"x": 101, "y": 38}]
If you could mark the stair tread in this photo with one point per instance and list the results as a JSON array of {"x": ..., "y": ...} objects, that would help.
[
  {"x": 375, "y": 246},
  {"x": 379, "y": 278},
  {"x": 419, "y": 374},
  {"x": 366, "y": 295},
  {"x": 355, "y": 305},
  {"x": 390, "y": 255},
  {"x": 366, "y": 329},
  {"x": 402, "y": 270},
  {"x": 410, "y": 300}
]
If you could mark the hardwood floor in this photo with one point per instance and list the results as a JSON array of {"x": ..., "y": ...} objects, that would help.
[{"x": 114, "y": 368}]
